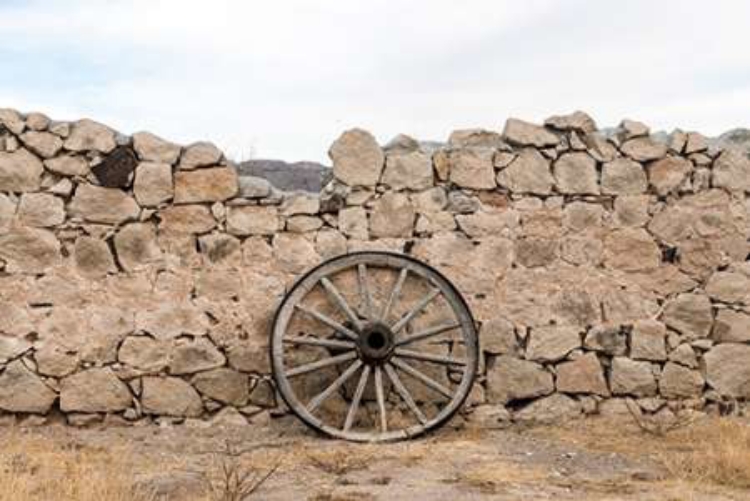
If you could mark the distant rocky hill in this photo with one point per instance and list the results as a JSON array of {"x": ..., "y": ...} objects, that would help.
[{"x": 284, "y": 176}]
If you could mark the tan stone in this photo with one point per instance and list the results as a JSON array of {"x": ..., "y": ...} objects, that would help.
[
  {"x": 475, "y": 138},
  {"x": 644, "y": 149},
  {"x": 191, "y": 356},
  {"x": 170, "y": 320},
  {"x": 7, "y": 212},
  {"x": 392, "y": 216},
  {"x": 12, "y": 347},
  {"x": 729, "y": 287},
  {"x": 552, "y": 343},
  {"x": 330, "y": 243},
  {"x": 578, "y": 121},
  {"x": 23, "y": 391},
  {"x": 532, "y": 252},
  {"x": 41, "y": 210},
  {"x": 472, "y": 168},
  {"x": 528, "y": 173},
  {"x": 357, "y": 158},
  {"x": 68, "y": 165},
  {"x": 186, "y": 219},
  {"x": 153, "y": 184},
  {"x": 136, "y": 246},
  {"x": 732, "y": 170},
  {"x": 89, "y": 135},
  {"x": 20, "y": 171},
  {"x": 205, "y": 185},
  {"x": 731, "y": 327},
  {"x": 629, "y": 377},
  {"x": 224, "y": 385},
  {"x": 497, "y": 336},
  {"x": 488, "y": 222},
  {"x": 94, "y": 390},
  {"x": 300, "y": 204},
  {"x": 727, "y": 369},
  {"x": 144, "y": 353},
  {"x": 512, "y": 379},
  {"x": 631, "y": 249},
  {"x": 170, "y": 396},
  {"x": 221, "y": 249},
  {"x": 582, "y": 375},
  {"x": 29, "y": 250},
  {"x": 581, "y": 216},
  {"x": 44, "y": 144},
  {"x": 55, "y": 361},
  {"x": 93, "y": 257},
  {"x": 623, "y": 176},
  {"x": 200, "y": 154},
  {"x": 648, "y": 341},
  {"x": 353, "y": 223},
  {"x": 151, "y": 148},
  {"x": 631, "y": 210},
  {"x": 526, "y": 134},
  {"x": 103, "y": 205},
  {"x": 668, "y": 174},
  {"x": 294, "y": 253},
  {"x": 552, "y": 409},
  {"x": 11, "y": 120},
  {"x": 582, "y": 250},
  {"x": 575, "y": 173},
  {"x": 412, "y": 171},
  {"x": 253, "y": 220},
  {"x": 689, "y": 314},
  {"x": 677, "y": 381}
]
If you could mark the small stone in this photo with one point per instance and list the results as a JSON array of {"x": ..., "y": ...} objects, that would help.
[
  {"x": 103, "y": 205},
  {"x": 87, "y": 135},
  {"x": 668, "y": 174},
  {"x": 731, "y": 327},
  {"x": 229, "y": 416},
  {"x": 609, "y": 339},
  {"x": 412, "y": 171},
  {"x": 94, "y": 390},
  {"x": 644, "y": 149},
  {"x": 475, "y": 138},
  {"x": 172, "y": 319},
  {"x": 629, "y": 377},
  {"x": 93, "y": 257},
  {"x": 254, "y": 187},
  {"x": 632, "y": 128},
  {"x": 527, "y": 134},
  {"x": 727, "y": 369},
  {"x": 41, "y": 210},
  {"x": 44, "y": 144},
  {"x": 299, "y": 203},
  {"x": 695, "y": 142},
  {"x": 220, "y": 248},
  {"x": 732, "y": 171},
  {"x": 513, "y": 379},
  {"x": 551, "y": 343},
  {"x": 690, "y": 314},
  {"x": 200, "y": 154},
  {"x": 472, "y": 168},
  {"x": 330, "y": 243},
  {"x": 357, "y": 158},
  {"x": 29, "y": 250},
  {"x": 488, "y": 222},
  {"x": 402, "y": 144},
  {"x": 684, "y": 355},
  {"x": 64, "y": 188},
  {"x": 205, "y": 185},
  {"x": 151, "y": 148},
  {"x": 144, "y": 353},
  {"x": 631, "y": 210},
  {"x": 576, "y": 121},
  {"x": 303, "y": 224},
  {"x": 582, "y": 375},
  {"x": 23, "y": 391},
  {"x": 20, "y": 171},
  {"x": 188, "y": 357},
  {"x": 353, "y": 223},
  {"x": 623, "y": 176},
  {"x": 12, "y": 347},
  {"x": 153, "y": 184},
  {"x": 37, "y": 121},
  {"x": 631, "y": 249},
  {"x": 729, "y": 287},
  {"x": 253, "y": 220},
  {"x": 532, "y": 252},
  {"x": 575, "y": 173},
  {"x": 11, "y": 120},
  {"x": 224, "y": 385},
  {"x": 677, "y": 381},
  {"x": 294, "y": 253},
  {"x": 392, "y": 216},
  {"x": 528, "y": 173},
  {"x": 170, "y": 396},
  {"x": 136, "y": 246},
  {"x": 552, "y": 409},
  {"x": 581, "y": 216},
  {"x": 497, "y": 336},
  {"x": 68, "y": 165},
  {"x": 186, "y": 219},
  {"x": 647, "y": 341}
]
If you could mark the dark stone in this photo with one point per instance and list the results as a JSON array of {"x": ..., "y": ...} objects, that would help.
[
  {"x": 116, "y": 169},
  {"x": 298, "y": 176}
]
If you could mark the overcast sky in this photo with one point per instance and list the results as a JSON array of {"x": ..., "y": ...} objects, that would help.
[{"x": 282, "y": 78}]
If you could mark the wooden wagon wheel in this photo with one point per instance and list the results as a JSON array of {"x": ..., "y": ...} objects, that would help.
[{"x": 374, "y": 346}]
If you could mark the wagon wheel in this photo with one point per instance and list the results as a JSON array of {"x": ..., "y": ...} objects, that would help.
[{"x": 374, "y": 346}]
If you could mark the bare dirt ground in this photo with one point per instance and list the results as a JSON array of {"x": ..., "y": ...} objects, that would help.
[{"x": 593, "y": 459}]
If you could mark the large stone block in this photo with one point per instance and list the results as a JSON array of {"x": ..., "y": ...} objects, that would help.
[
  {"x": 513, "y": 379},
  {"x": 205, "y": 185},
  {"x": 94, "y": 390},
  {"x": 473, "y": 168},
  {"x": 170, "y": 396},
  {"x": 23, "y": 391},
  {"x": 357, "y": 158},
  {"x": 582, "y": 375},
  {"x": 20, "y": 171},
  {"x": 103, "y": 205}
]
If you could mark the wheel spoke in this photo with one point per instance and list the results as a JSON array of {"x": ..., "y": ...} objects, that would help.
[
  {"x": 394, "y": 295},
  {"x": 315, "y": 341},
  {"x": 314, "y": 366},
  {"x": 415, "y": 311},
  {"x": 328, "y": 321},
  {"x": 380, "y": 396},
  {"x": 405, "y": 395},
  {"x": 427, "y": 333},
  {"x": 356, "y": 398},
  {"x": 421, "y": 376},
  {"x": 426, "y": 357},
  {"x": 337, "y": 298},
  {"x": 322, "y": 396},
  {"x": 364, "y": 290}
]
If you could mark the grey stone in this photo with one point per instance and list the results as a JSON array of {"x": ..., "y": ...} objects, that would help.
[
  {"x": 576, "y": 121},
  {"x": 513, "y": 379},
  {"x": 690, "y": 314},
  {"x": 728, "y": 369},
  {"x": 412, "y": 171},
  {"x": 392, "y": 216},
  {"x": 254, "y": 187}
]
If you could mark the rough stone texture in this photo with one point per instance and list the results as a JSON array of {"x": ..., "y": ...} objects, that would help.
[
  {"x": 552, "y": 343},
  {"x": 731, "y": 327},
  {"x": 225, "y": 385},
  {"x": 555, "y": 408},
  {"x": 44, "y": 144},
  {"x": 357, "y": 158},
  {"x": 92, "y": 257},
  {"x": 677, "y": 381},
  {"x": 153, "y": 184},
  {"x": 186, "y": 219},
  {"x": 23, "y": 391},
  {"x": 732, "y": 171},
  {"x": 205, "y": 185},
  {"x": 136, "y": 246},
  {"x": 87, "y": 135},
  {"x": 20, "y": 171},
  {"x": 582, "y": 375},
  {"x": 68, "y": 165},
  {"x": 393, "y": 216},
  {"x": 41, "y": 210},
  {"x": 513, "y": 379},
  {"x": 412, "y": 171},
  {"x": 29, "y": 250},
  {"x": 575, "y": 173},
  {"x": 623, "y": 176},
  {"x": 200, "y": 154},
  {"x": 253, "y": 220},
  {"x": 472, "y": 168},
  {"x": 648, "y": 341},
  {"x": 103, "y": 205},
  {"x": 644, "y": 149},
  {"x": 527, "y": 134},
  {"x": 668, "y": 174},
  {"x": 689, "y": 314},
  {"x": 528, "y": 173},
  {"x": 170, "y": 396},
  {"x": 728, "y": 369},
  {"x": 629, "y": 377},
  {"x": 151, "y": 148},
  {"x": 94, "y": 390},
  {"x": 631, "y": 250}
]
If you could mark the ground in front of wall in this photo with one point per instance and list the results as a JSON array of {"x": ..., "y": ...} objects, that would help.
[{"x": 593, "y": 459}]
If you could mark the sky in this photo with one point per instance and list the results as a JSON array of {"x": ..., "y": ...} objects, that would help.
[{"x": 283, "y": 78}]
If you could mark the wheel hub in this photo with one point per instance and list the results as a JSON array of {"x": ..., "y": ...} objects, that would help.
[{"x": 376, "y": 343}]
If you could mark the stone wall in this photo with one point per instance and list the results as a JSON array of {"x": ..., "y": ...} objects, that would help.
[{"x": 138, "y": 277}]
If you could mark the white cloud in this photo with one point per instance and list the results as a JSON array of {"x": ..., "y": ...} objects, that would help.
[{"x": 284, "y": 78}]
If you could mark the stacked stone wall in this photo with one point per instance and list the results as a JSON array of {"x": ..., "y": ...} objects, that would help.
[{"x": 138, "y": 277}]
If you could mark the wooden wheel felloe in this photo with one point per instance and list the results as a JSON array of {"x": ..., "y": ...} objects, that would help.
[{"x": 374, "y": 346}]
